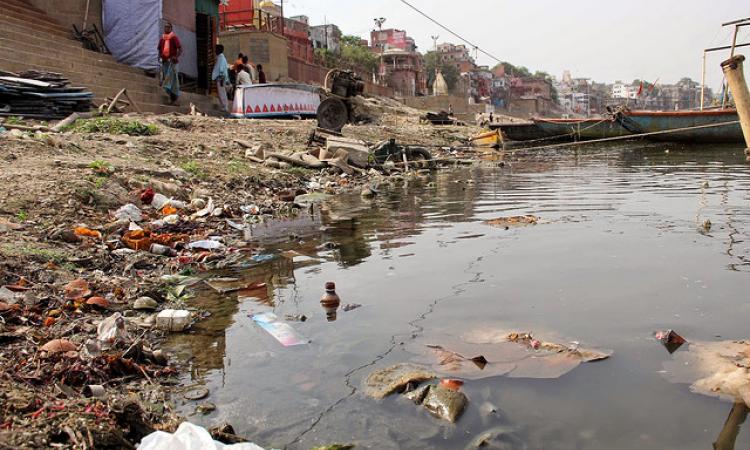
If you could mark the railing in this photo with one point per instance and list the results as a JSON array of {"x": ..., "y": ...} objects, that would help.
[{"x": 256, "y": 19}]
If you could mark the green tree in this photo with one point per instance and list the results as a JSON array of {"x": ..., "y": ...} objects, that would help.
[
  {"x": 548, "y": 77},
  {"x": 516, "y": 71},
  {"x": 358, "y": 55},
  {"x": 449, "y": 71}
]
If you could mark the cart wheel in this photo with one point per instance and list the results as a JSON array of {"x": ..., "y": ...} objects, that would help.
[{"x": 332, "y": 114}]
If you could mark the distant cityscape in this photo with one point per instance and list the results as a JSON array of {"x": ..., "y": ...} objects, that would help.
[{"x": 391, "y": 58}]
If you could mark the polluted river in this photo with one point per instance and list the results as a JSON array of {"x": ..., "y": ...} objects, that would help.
[{"x": 624, "y": 241}]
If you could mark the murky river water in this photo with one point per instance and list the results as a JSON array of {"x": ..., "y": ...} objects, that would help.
[{"x": 618, "y": 256}]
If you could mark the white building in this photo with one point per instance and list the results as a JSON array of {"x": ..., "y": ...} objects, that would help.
[{"x": 622, "y": 90}]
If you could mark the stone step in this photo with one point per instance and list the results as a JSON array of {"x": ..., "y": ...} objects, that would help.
[
  {"x": 41, "y": 24},
  {"x": 77, "y": 70},
  {"x": 11, "y": 38},
  {"x": 21, "y": 7},
  {"x": 139, "y": 92}
]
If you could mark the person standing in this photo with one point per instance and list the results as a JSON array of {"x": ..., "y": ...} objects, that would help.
[
  {"x": 170, "y": 51},
  {"x": 250, "y": 69},
  {"x": 261, "y": 75},
  {"x": 243, "y": 78},
  {"x": 220, "y": 75}
]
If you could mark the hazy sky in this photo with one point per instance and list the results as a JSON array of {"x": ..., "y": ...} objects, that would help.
[{"x": 602, "y": 40}]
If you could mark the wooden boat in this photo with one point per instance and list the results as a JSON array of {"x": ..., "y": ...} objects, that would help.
[
  {"x": 491, "y": 138},
  {"x": 522, "y": 131},
  {"x": 727, "y": 126},
  {"x": 581, "y": 129}
]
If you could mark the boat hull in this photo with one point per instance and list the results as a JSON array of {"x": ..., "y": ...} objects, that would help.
[
  {"x": 519, "y": 131},
  {"x": 489, "y": 139},
  {"x": 653, "y": 121},
  {"x": 581, "y": 129}
]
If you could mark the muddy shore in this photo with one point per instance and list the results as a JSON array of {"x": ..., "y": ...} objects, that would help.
[{"x": 71, "y": 256}]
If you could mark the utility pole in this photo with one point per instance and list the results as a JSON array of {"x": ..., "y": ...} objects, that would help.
[
  {"x": 437, "y": 61},
  {"x": 379, "y": 23},
  {"x": 282, "y": 17}
]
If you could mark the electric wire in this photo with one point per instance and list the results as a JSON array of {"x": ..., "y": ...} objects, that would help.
[{"x": 473, "y": 46}]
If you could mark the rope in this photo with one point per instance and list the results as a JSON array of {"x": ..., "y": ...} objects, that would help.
[
  {"x": 573, "y": 133},
  {"x": 627, "y": 137}
]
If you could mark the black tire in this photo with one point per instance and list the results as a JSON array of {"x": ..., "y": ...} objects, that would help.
[
  {"x": 332, "y": 114},
  {"x": 421, "y": 155}
]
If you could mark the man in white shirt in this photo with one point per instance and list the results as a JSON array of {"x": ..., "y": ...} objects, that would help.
[{"x": 243, "y": 78}]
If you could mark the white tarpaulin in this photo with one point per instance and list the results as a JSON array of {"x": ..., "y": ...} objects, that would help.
[
  {"x": 132, "y": 29},
  {"x": 274, "y": 100}
]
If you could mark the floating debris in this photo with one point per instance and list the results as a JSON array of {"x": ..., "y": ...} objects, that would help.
[
  {"x": 384, "y": 382},
  {"x": 512, "y": 221}
]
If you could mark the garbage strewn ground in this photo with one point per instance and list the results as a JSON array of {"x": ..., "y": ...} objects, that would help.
[{"x": 101, "y": 227}]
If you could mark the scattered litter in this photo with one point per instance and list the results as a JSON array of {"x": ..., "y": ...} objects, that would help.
[
  {"x": 145, "y": 304},
  {"x": 206, "y": 245},
  {"x": 173, "y": 319},
  {"x": 112, "y": 329},
  {"x": 58, "y": 346},
  {"x": 129, "y": 212},
  {"x": 87, "y": 232},
  {"x": 198, "y": 393}
]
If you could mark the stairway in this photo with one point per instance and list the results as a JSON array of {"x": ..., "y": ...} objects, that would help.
[{"x": 30, "y": 39}]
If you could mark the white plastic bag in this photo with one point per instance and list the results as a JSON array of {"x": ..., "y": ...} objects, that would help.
[{"x": 189, "y": 437}]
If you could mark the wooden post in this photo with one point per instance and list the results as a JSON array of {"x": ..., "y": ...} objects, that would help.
[
  {"x": 703, "y": 79},
  {"x": 733, "y": 71}
]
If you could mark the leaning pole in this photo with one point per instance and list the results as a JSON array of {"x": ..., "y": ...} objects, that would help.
[{"x": 738, "y": 86}]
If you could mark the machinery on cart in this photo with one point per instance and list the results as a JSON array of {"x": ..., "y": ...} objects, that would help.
[{"x": 336, "y": 110}]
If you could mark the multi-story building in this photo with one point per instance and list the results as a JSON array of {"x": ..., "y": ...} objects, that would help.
[
  {"x": 297, "y": 31},
  {"x": 404, "y": 72},
  {"x": 457, "y": 55},
  {"x": 401, "y": 66},
  {"x": 327, "y": 37},
  {"x": 392, "y": 38}
]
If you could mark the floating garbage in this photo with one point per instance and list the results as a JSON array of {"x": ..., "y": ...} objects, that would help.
[
  {"x": 512, "y": 221},
  {"x": 189, "y": 437},
  {"x": 445, "y": 403},
  {"x": 670, "y": 339},
  {"x": 330, "y": 301},
  {"x": 487, "y": 353},
  {"x": 281, "y": 331},
  {"x": 717, "y": 369},
  {"x": 383, "y": 382}
]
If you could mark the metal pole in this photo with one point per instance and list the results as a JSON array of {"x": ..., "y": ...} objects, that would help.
[
  {"x": 703, "y": 79},
  {"x": 282, "y": 17}
]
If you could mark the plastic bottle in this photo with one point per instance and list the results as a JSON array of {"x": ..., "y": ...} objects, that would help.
[{"x": 330, "y": 301}]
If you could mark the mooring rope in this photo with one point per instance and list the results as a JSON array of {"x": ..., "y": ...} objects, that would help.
[{"x": 623, "y": 138}]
